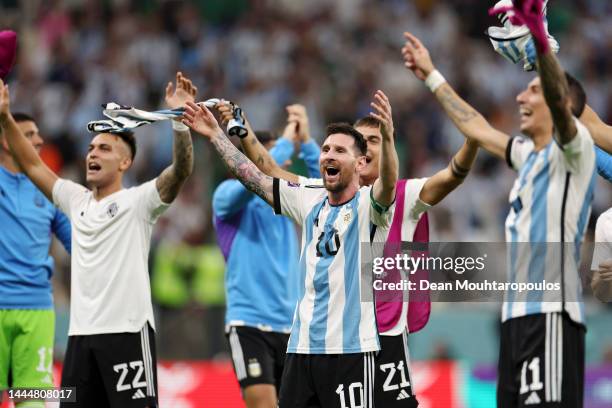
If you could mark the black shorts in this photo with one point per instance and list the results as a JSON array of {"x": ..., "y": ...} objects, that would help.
[
  {"x": 112, "y": 370},
  {"x": 258, "y": 356},
  {"x": 328, "y": 381},
  {"x": 393, "y": 384},
  {"x": 541, "y": 362}
]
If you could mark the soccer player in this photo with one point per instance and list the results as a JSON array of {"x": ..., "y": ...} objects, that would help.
[
  {"x": 542, "y": 336},
  {"x": 111, "y": 354},
  {"x": 262, "y": 287},
  {"x": 330, "y": 357},
  {"x": 396, "y": 313},
  {"x": 27, "y": 318}
]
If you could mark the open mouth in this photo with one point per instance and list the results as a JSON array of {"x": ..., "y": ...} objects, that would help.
[
  {"x": 331, "y": 171},
  {"x": 525, "y": 113},
  {"x": 93, "y": 167}
]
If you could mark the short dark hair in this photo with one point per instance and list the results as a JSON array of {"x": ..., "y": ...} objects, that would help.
[
  {"x": 577, "y": 95},
  {"x": 264, "y": 136},
  {"x": 367, "y": 121},
  {"x": 22, "y": 117},
  {"x": 128, "y": 137},
  {"x": 347, "y": 129}
]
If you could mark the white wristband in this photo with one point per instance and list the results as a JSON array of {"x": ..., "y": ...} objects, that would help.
[
  {"x": 434, "y": 80},
  {"x": 179, "y": 126}
]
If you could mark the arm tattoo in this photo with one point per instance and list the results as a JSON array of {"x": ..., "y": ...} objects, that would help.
[
  {"x": 556, "y": 93},
  {"x": 244, "y": 170},
  {"x": 458, "y": 110},
  {"x": 172, "y": 178}
]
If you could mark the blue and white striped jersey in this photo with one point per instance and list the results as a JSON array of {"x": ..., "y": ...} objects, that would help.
[
  {"x": 550, "y": 203},
  {"x": 332, "y": 317}
]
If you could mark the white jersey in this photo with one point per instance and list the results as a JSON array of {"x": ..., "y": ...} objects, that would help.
[
  {"x": 550, "y": 203},
  {"x": 603, "y": 239},
  {"x": 392, "y": 314},
  {"x": 332, "y": 316},
  {"x": 110, "y": 290}
]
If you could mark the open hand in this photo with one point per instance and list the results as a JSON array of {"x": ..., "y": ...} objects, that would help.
[
  {"x": 297, "y": 113},
  {"x": 201, "y": 120},
  {"x": 416, "y": 57},
  {"x": 184, "y": 92},
  {"x": 383, "y": 113}
]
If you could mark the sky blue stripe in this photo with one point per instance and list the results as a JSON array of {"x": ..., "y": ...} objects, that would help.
[
  {"x": 351, "y": 315},
  {"x": 582, "y": 223},
  {"x": 318, "y": 325},
  {"x": 294, "y": 339},
  {"x": 523, "y": 172},
  {"x": 515, "y": 48},
  {"x": 537, "y": 233},
  {"x": 507, "y": 52}
]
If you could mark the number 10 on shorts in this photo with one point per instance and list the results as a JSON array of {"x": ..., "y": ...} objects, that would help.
[{"x": 355, "y": 394}]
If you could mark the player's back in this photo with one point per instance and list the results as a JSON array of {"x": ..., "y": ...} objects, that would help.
[
  {"x": 27, "y": 219},
  {"x": 261, "y": 252}
]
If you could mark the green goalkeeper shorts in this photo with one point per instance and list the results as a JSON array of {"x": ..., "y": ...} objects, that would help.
[{"x": 26, "y": 348}]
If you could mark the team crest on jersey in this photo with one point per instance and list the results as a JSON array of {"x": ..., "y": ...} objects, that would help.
[
  {"x": 254, "y": 368},
  {"x": 112, "y": 209},
  {"x": 39, "y": 201}
]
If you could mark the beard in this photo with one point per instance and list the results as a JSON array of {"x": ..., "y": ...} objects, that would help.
[{"x": 337, "y": 186}]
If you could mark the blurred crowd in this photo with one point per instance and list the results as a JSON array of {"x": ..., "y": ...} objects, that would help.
[{"x": 330, "y": 56}]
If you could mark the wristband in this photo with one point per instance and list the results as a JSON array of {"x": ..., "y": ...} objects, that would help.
[
  {"x": 179, "y": 126},
  {"x": 434, "y": 80}
]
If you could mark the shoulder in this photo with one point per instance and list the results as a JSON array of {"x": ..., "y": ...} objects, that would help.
[
  {"x": 605, "y": 220},
  {"x": 603, "y": 228},
  {"x": 309, "y": 182}
]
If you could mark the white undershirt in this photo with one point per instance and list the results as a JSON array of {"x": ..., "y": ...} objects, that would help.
[{"x": 110, "y": 290}]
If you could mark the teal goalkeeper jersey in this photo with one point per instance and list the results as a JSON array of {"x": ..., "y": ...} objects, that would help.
[{"x": 27, "y": 219}]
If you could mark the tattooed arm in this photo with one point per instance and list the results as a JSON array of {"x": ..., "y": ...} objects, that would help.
[
  {"x": 556, "y": 93},
  {"x": 469, "y": 122},
  {"x": 256, "y": 152},
  {"x": 201, "y": 120},
  {"x": 171, "y": 180}
]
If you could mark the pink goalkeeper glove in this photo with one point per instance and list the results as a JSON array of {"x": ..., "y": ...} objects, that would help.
[{"x": 531, "y": 14}]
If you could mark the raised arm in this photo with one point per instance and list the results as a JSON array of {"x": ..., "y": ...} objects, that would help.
[
  {"x": 201, "y": 120},
  {"x": 22, "y": 150},
  {"x": 600, "y": 131},
  {"x": 556, "y": 93},
  {"x": 171, "y": 180},
  {"x": 467, "y": 120},
  {"x": 256, "y": 152},
  {"x": 384, "y": 186},
  {"x": 445, "y": 181}
]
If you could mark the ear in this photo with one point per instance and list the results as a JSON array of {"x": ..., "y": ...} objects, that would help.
[
  {"x": 360, "y": 164},
  {"x": 125, "y": 164}
]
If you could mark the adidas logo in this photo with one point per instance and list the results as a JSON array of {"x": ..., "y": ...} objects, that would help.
[
  {"x": 533, "y": 399},
  {"x": 402, "y": 395},
  {"x": 138, "y": 394}
]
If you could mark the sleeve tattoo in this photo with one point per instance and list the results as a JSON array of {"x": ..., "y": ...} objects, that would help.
[
  {"x": 243, "y": 169},
  {"x": 171, "y": 180}
]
